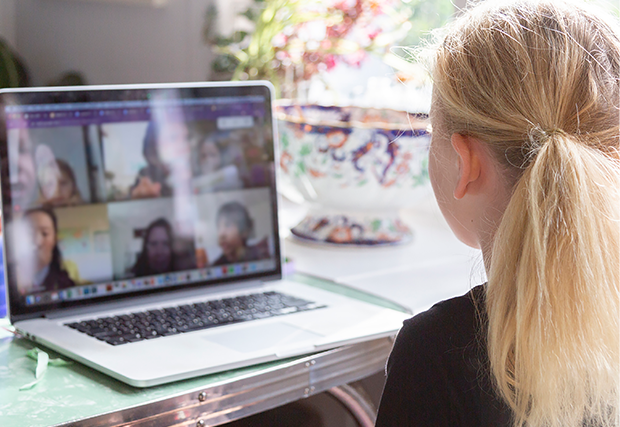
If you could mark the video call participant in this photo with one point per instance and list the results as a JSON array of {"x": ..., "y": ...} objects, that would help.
[
  {"x": 61, "y": 179},
  {"x": 165, "y": 145},
  {"x": 213, "y": 173},
  {"x": 157, "y": 255},
  {"x": 50, "y": 182},
  {"x": 234, "y": 228},
  {"x": 50, "y": 272}
]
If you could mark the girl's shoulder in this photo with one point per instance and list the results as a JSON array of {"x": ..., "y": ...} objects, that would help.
[
  {"x": 449, "y": 322},
  {"x": 437, "y": 374}
]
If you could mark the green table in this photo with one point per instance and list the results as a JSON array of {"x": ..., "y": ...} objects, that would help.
[{"x": 80, "y": 396}]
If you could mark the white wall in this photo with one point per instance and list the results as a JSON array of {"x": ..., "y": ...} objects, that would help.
[
  {"x": 7, "y": 21},
  {"x": 112, "y": 42}
]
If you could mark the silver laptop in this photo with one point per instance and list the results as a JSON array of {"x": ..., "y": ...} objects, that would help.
[{"x": 141, "y": 233}]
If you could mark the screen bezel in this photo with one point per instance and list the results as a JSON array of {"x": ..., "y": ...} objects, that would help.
[{"x": 16, "y": 307}]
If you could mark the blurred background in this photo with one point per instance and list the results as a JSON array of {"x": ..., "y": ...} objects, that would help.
[{"x": 146, "y": 41}]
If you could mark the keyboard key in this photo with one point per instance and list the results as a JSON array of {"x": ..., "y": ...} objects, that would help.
[{"x": 116, "y": 340}]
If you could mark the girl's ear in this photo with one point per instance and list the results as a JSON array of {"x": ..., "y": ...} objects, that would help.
[{"x": 469, "y": 157}]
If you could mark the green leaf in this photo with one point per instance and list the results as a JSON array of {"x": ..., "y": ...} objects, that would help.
[
  {"x": 223, "y": 41},
  {"x": 267, "y": 15},
  {"x": 9, "y": 73}
]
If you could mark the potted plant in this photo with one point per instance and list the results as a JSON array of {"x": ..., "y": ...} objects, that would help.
[{"x": 294, "y": 40}]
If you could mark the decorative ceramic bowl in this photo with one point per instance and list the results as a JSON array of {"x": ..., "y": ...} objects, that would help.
[{"x": 357, "y": 167}]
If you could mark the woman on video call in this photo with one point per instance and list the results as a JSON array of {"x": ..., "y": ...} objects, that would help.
[
  {"x": 157, "y": 255},
  {"x": 234, "y": 228},
  {"x": 166, "y": 151},
  {"x": 51, "y": 272},
  {"x": 60, "y": 177}
]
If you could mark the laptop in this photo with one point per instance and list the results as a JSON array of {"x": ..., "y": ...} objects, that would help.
[{"x": 141, "y": 233}]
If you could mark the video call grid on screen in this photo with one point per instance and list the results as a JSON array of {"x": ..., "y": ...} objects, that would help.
[{"x": 138, "y": 194}]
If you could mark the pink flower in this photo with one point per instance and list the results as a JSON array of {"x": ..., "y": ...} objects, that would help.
[
  {"x": 279, "y": 40},
  {"x": 356, "y": 28},
  {"x": 355, "y": 59},
  {"x": 330, "y": 61},
  {"x": 373, "y": 34}
]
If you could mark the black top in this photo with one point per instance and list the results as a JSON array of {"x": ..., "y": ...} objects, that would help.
[{"x": 438, "y": 373}]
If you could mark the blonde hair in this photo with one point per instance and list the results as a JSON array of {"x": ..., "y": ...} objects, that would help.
[{"x": 539, "y": 83}]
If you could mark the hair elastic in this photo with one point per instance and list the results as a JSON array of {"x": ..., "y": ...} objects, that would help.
[{"x": 538, "y": 136}]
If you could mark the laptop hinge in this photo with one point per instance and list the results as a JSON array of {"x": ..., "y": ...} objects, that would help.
[{"x": 168, "y": 298}]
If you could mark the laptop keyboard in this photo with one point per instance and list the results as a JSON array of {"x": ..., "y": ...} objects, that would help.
[{"x": 157, "y": 323}]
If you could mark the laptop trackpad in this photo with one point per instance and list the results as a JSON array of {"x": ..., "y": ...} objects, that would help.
[{"x": 262, "y": 336}]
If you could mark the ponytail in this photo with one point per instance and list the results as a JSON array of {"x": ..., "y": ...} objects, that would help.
[{"x": 552, "y": 297}]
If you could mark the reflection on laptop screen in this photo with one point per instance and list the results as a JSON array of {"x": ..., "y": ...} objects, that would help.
[{"x": 117, "y": 196}]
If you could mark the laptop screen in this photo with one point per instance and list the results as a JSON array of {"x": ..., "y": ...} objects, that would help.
[{"x": 122, "y": 191}]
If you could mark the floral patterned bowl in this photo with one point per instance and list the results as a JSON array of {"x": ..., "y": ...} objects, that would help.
[{"x": 357, "y": 167}]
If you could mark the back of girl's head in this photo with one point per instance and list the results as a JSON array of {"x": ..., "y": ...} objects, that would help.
[
  {"x": 539, "y": 83},
  {"x": 506, "y": 69}
]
